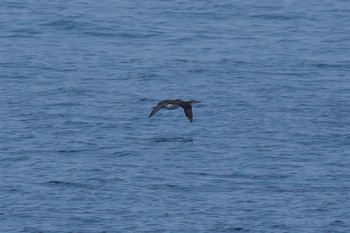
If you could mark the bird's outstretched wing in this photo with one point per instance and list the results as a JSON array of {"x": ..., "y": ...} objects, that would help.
[
  {"x": 188, "y": 113},
  {"x": 160, "y": 105},
  {"x": 154, "y": 111},
  {"x": 187, "y": 108}
]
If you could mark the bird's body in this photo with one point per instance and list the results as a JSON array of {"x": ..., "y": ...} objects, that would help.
[{"x": 174, "y": 104}]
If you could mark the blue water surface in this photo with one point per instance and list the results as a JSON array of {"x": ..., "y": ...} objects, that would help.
[{"x": 269, "y": 147}]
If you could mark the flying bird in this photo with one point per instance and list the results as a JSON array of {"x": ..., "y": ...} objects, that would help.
[{"x": 174, "y": 104}]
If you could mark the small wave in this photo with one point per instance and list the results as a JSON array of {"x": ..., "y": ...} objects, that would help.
[
  {"x": 172, "y": 139},
  {"x": 275, "y": 16},
  {"x": 173, "y": 187},
  {"x": 232, "y": 60},
  {"x": 67, "y": 24},
  {"x": 36, "y": 67},
  {"x": 235, "y": 229},
  {"x": 15, "y": 158},
  {"x": 22, "y": 33},
  {"x": 68, "y": 184},
  {"x": 130, "y": 35},
  {"x": 326, "y": 65},
  {"x": 196, "y": 173},
  {"x": 198, "y": 70},
  {"x": 165, "y": 186},
  {"x": 232, "y": 229},
  {"x": 68, "y": 151},
  {"x": 280, "y": 226},
  {"x": 338, "y": 223}
]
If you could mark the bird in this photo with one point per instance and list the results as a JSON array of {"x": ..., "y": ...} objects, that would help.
[{"x": 174, "y": 104}]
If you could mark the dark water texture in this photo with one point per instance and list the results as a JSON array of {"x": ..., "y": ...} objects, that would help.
[{"x": 268, "y": 150}]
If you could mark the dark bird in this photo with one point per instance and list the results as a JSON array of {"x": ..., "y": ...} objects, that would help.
[{"x": 173, "y": 104}]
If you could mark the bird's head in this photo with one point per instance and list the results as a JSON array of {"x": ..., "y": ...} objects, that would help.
[{"x": 193, "y": 102}]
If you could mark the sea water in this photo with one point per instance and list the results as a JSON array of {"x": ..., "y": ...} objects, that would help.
[{"x": 269, "y": 146}]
